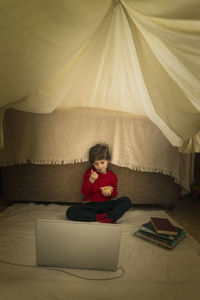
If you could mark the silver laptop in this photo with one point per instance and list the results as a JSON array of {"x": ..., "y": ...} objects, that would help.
[{"x": 82, "y": 245}]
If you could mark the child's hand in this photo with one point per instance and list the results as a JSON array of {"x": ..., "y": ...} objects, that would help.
[
  {"x": 106, "y": 193},
  {"x": 107, "y": 190},
  {"x": 93, "y": 176}
]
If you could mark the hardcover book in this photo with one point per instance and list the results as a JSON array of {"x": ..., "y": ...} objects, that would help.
[
  {"x": 148, "y": 227},
  {"x": 161, "y": 241},
  {"x": 163, "y": 226}
]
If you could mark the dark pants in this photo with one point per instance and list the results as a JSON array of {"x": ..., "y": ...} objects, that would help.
[{"x": 86, "y": 212}]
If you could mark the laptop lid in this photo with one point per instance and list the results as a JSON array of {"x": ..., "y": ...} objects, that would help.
[{"x": 82, "y": 245}]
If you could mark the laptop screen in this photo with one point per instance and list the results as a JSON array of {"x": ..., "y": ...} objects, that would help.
[{"x": 82, "y": 245}]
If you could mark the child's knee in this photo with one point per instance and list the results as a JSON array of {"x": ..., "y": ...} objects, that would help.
[
  {"x": 127, "y": 202},
  {"x": 70, "y": 214}
]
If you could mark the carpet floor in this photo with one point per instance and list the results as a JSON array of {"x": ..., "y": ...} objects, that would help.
[{"x": 186, "y": 212}]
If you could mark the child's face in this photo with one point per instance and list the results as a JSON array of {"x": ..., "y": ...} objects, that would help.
[{"x": 101, "y": 165}]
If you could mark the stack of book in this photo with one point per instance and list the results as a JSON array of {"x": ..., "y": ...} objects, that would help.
[{"x": 161, "y": 232}]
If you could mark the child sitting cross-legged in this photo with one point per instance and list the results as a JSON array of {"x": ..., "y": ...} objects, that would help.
[{"x": 99, "y": 188}]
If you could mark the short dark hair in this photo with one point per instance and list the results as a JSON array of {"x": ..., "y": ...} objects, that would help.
[{"x": 98, "y": 152}]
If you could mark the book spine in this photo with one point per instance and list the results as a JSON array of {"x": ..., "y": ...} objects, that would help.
[
  {"x": 161, "y": 238},
  {"x": 153, "y": 242},
  {"x": 167, "y": 237},
  {"x": 156, "y": 241}
]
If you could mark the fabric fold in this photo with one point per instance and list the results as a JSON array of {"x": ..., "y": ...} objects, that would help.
[{"x": 138, "y": 57}]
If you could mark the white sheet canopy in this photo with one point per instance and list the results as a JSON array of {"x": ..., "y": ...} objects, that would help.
[{"x": 136, "y": 56}]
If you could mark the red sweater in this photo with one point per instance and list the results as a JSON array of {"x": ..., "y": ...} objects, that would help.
[{"x": 92, "y": 191}]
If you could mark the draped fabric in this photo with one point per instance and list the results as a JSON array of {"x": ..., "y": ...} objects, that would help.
[
  {"x": 57, "y": 138},
  {"x": 140, "y": 57}
]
